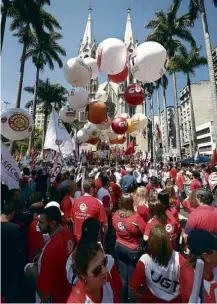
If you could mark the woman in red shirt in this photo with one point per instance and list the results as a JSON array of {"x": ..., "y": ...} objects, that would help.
[
  {"x": 156, "y": 278},
  {"x": 173, "y": 201},
  {"x": 99, "y": 281},
  {"x": 141, "y": 203},
  {"x": 159, "y": 216},
  {"x": 190, "y": 203},
  {"x": 129, "y": 227},
  {"x": 67, "y": 203},
  {"x": 115, "y": 192}
]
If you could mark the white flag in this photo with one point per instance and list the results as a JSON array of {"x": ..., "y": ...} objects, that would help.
[
  {"x": 10, "y": 172},
  {"x": 57, "y": 138}
]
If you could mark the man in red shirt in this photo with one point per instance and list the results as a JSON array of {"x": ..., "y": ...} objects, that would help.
[
  {"x": 88, "y": 206},
  {"x": 66, "y": 203},
  {"x": 195, "y": 184},
  {"x": 115, "y": 192},
  {"x": 52, "y": 284},
  {"x": 205, "y": 215}
]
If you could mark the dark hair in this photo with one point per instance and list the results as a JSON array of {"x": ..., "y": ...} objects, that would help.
[
  {"x": 163, "y": 197},
  {"x": 33, "y": 172},
  {"x": 158, "y": 210},
  {"x": 52, "y": 213},
  {"x": 40, "y": 172},
  {"x": 85, "y": 252},
  {"x": 58, "y": 177},
  {"x": 26, "y": 171},
  {"x": 35, "y": 197},
  {"x": 204, "y": 196},
  {"x": 37, "y": 208},
  {"x": 159, "y": 245},
  {"x": 104, "y": 180},
  {"x": 8, "y": 209},
  {"x": 88, "y": 184},
  {"x": 113, "y": 178},
  {"x": 126, "y": 205},
  {"x": 90, "y": 230}
]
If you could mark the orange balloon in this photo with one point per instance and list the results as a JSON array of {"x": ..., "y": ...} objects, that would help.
[
  {"x": 131, "y": 127},
  {"x": 113, "y": 141},
  {"x": 97, "y": 112},
  {"x": 121, "y": 139}
]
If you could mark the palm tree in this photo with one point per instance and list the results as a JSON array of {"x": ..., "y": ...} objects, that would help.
[
  {"x": 24, "y": 8},
  {"x": 23, "y": 30},
  {"x": 167, "y": 27},
  {"x": 187, "y": 62},
  {"x": 48, "y": 95},
  {"x": 44, "y": 52},
  {"x": 157, "y": 86},
  {"x": 164, "y": 84},
  {"x": 196, "y": 7}
]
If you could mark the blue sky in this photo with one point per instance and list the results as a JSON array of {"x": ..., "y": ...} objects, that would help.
[{"x": 109, "y": 20}]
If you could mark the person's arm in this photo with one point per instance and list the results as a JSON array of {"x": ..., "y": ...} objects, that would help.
[
  {"x": 147, "y": 231},
  {"x": 103, "y": 220},
  {"x": 136, "y": 283}
]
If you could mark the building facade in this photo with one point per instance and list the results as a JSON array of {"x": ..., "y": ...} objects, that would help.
[
  {"x": 205, "y": 138},
  {"x": 214, "y": 56},
  {"x": 39, "y": 116},
  {"x": 202, "y": 104}
]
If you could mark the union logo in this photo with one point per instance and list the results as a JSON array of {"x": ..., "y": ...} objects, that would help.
[{"x": 18, "y": 122}]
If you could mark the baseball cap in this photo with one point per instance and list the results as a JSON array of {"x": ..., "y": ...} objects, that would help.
[
  {"x": 202, "y": 241},
  {"x": 54, "y": 204}
]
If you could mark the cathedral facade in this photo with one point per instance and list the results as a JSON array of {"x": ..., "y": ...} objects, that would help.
[{"x": 115, "y": 103}]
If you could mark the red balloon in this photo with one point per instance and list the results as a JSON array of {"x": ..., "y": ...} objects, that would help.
[
  {"x": 134, "y": 94},
  {"x": 119, "y": 125},
  {"x": 118, "y": 78},
  {"x": 93, "y": 141},
  {"x": 113, "y": 141},
  {"x": 121, "y": 139}
]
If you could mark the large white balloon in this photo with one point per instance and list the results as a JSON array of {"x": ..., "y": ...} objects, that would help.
[
  {"x": 82, "y": 136},
  {"x": 68, "y": 114},
  {"x": 124, "y": 115},
  {"x": 148, "y": 62},
  {"x": 111, "y": 134},
  {"x": 16, "y": 124},
  {"x": 104, "y": 125},
  {"x": 103, "y": 136},
  {"x": 78, "y": 98},
  {"x": 139, "y": 121},
  {"x": 135, "y": 133},
  {"x": 91, "y": 62},
  {"x": 76, "y": 72},
  {"x": 101, "y": 96},
  {"x": 92, "y": 130},
  {"x": 111, "y": 56}
]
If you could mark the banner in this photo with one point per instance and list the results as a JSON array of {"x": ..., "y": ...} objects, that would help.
[
  {"x": 10, "y": 172},
  {"x": 57, "y": 138}
]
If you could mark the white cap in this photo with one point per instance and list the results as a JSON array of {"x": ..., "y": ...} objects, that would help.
[{"x": 54, "y": 204}]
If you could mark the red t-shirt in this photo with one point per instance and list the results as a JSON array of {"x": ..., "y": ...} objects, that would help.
[
  {"x": 35, "y": 240},
  {"x": 128, "y": 234},
  {"x": 143, "y": 210},
  {"x": 85, "y": 207},
  {"x": 66, "y": 207},
  {"x": 173, "y": 173},
  {"x": 110, "y": 291},
  {"x": 115, "y": 192},
  {"x": 187, "y": 206},
  {"x": 139, "y": 278},
  {"x": 172, "y": 227},
  {"x": 52, "y": 278},
  {"x": 195, "y": 184},
  {"x": 203, "y": 217}
]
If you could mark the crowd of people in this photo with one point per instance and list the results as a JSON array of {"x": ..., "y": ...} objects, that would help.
[{"x": 110, "y": 233}]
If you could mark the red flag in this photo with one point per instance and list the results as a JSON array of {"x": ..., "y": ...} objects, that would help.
[
  {"x": 214, "y": 157},
  {"x": 130, "y": 148}
]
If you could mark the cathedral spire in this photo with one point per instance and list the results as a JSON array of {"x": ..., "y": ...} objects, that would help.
[
  {"x": 88, "y": 30},
  {"x": 87, "y": 40},
  {"x": 128, "y": 36}
]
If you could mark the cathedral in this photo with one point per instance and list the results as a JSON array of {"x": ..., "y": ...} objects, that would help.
[{"x": 115, "y": 103}]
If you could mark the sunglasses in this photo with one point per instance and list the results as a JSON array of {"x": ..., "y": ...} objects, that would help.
[{"x": 98, "y": 269}]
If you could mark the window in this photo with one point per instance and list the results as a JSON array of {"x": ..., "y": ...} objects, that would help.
[
  {"x": 204, "y": 131},
  {"x": 204, "y": 140},
  {"x": 206, "y": 148}
]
